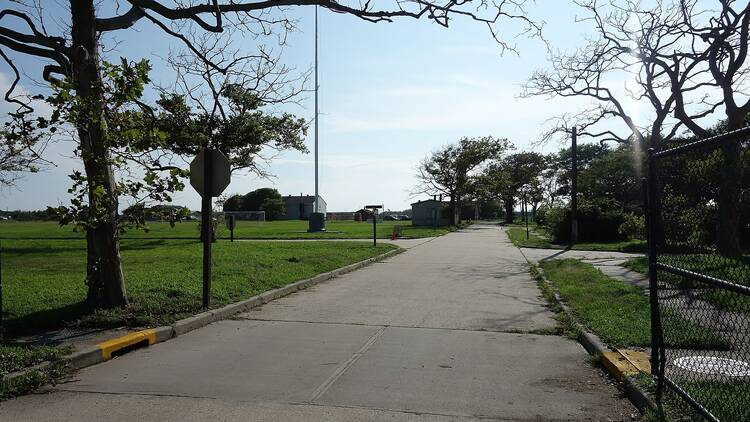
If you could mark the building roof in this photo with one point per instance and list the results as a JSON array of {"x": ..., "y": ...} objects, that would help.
[
  {"x": 301, "y": 199},
  {"x": 427, "y": 201}
]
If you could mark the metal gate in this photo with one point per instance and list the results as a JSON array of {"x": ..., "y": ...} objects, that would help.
[{"x": 698, "y": 222}]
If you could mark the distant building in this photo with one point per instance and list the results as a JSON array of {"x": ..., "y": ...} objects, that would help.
[
  {"x": 429, "y": 213},
  {"x": 340, "y": 216},
  {"x": 300, "y": 207},
  {"x": 362, "y": 215}
]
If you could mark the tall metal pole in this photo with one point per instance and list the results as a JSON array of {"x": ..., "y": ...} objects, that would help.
[
  {"x": 207, "y": 224},
  {"x": 317, "y": 209},
  {"x": 574, "y": 188}
]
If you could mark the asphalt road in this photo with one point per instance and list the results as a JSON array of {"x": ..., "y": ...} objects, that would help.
[{"x": 452, "y": 329}]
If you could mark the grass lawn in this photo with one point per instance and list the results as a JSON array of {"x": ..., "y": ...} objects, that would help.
[
  {"x": 287, "y": 229},
  {"x": 618, "y": 312},
  {"x": 727, "y": 401},
  {"x": 14, "y": 358},
  {"x": 539, "y": 239},
  {"x": 43, "y": 280},
  {"x": 734, "y": 270}
]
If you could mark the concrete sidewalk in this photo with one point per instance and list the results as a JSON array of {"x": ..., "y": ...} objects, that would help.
[{"x": 444, "y": 331}]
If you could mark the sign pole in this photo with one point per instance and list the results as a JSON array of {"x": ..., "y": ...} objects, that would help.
[
  {"x": 207, "y": 225},
  {"x": 526, "y": 215},
  {"x": 574, "y": 188},
  {"x": 374, "y": 227}
]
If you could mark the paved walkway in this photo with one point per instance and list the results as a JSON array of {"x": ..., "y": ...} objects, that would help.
[{"x": 444, "y": 331}]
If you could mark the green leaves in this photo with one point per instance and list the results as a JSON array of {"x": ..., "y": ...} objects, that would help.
[{"x": 242, "y": 132}]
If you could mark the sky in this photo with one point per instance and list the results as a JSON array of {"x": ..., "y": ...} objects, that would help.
[{"x": 390, "y": 93}]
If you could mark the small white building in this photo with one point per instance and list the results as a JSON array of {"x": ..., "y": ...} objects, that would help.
[
  {"x": 300, "y": 207},
  {"x": 430, "y": 213}
]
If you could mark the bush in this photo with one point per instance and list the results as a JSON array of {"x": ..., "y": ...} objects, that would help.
[
  {"x": 541, "y": 217},
  {"x": 634, "y": 227},
  {"x": 594, "y": 225}
]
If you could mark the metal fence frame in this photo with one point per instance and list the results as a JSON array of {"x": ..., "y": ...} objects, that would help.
[{"x": 651, "y": 191}]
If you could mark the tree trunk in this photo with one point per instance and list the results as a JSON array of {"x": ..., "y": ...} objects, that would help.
[
  {"x": 728, "y": 224},
  {"x": 509, "y": 203},
  {"x": 106, "y": 285},
  {"x": 452, "y": 211}
]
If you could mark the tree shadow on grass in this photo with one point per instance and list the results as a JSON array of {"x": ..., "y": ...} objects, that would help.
[{"x": 46, "y": 320}]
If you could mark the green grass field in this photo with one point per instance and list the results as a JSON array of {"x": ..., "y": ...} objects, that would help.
[
  {"x": 43, "y": 280},
  {"x": 618, "y": 312},
  {"x": 287, "y": 229}
]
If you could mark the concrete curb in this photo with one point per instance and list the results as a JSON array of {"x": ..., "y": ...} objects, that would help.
[
  {"x": 104, "y": 351},
  {"x": 596, "y": 347}
]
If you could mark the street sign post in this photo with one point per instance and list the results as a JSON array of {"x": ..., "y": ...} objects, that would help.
[
  {"x": 374, "y": 209},
  {"x": 210, "y": 173},
  {"x": 230, "y": 225}
]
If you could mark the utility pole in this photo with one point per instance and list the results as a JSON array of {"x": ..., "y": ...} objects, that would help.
[{"x": 574, "y": 188}]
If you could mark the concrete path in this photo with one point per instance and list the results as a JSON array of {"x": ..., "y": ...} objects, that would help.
[
  {"x": 444, "y": 331},
  {"x": 538, "y": 254}
]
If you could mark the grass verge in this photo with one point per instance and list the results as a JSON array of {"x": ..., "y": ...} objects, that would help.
[
  {"x": 566, "y": 325},
  {"x": 617, "y": 312},
  {"x": 16, "y": 358}
]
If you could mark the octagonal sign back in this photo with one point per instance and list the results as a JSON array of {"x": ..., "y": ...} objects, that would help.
[{"x": 221, "y": 172}]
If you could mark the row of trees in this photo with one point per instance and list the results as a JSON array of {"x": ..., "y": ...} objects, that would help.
[
  {"x": 487, "y": 171},
  {"x": 268, "y": 200}
]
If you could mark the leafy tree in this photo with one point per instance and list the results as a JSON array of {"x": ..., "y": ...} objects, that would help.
[
  {"x": 22, "y": 144},
  {"x": 613, "y": 180},
  {"x": 448, "y": 171},
  {"x": 233, "y": 203},
  {"x": 263, "y": 199},
  {"x": 504, "y": 178},
  {"x": 273, "y": 207},
  {"x": 561, "y": 163}
]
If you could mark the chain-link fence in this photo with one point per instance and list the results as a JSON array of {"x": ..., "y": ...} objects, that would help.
[{"x": 699, "y": 244}]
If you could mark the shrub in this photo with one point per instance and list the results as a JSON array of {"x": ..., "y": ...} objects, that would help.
[
  {"x": 594, "y": 224},
  {"x": 634, "y": 226},
  {"x": 541, "y": 216}
]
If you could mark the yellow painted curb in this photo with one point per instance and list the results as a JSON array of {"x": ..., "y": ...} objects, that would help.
[
  {"x": 110, "y": 346},
  {"x": 624, "y": 363}
]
